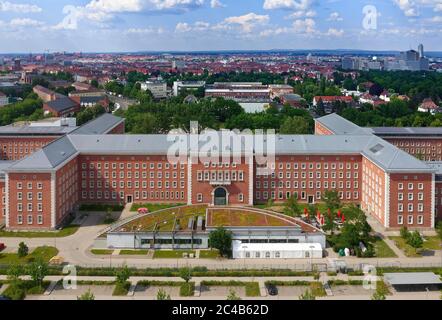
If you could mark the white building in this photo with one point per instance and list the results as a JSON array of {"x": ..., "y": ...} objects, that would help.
[
  {"x": 187, "y": 85},
  {"x": 276, "y": 250},
  {"x": 157, "y": 87},
  {"x": 4, "y": 100}
]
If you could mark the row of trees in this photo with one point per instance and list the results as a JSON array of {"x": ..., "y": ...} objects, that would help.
[
  {"x": 28, "y": 109},
  {"x": 160, "y": 117}
]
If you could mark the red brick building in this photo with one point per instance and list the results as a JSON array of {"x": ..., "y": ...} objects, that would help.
[{"x": 90, "y": 166}]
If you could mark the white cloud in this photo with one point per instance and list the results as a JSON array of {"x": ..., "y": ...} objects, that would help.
[
  {"x": 335, "y": 16},
  {"x": 408, "y": 7},
  {"x": 247, "y": 22},
  {"x": 25, "y": 22},
  {"x": 217, "y": 4},
  {"x": 302, "y": 14},
  {"x": 304, "y": 26},
  {"x": 99, "y": 11},
  {"x": 287, "y": 4},
  {"x": 19, "y": 8},
  {"x": 332, "y": 32},
  {"x": 183, "y": 27},
  {"x": 144, "y": 31}
]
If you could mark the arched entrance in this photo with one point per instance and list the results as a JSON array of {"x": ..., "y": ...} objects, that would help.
[{"x": 220, "y": 197}]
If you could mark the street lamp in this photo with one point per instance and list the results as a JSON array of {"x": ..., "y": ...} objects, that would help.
[{"x": 110, "y": 256}]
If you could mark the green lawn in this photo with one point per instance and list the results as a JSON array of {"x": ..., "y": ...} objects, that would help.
[
  {"x": 171, "y": 254},
  {"x": 154, "y": 206},
  {"x": 209, "y": 254},
  {"x": 382, "y": 250},
  {"x": 252, "y": 289},
  {"x": 408, "y": 250},
  {"x": 121, "y": 289},
  {"x": 65, "y": 232},
  {"x": 133, "y": 252},
  {"x": 432, "y": 243},
  {"x": 103, "y": 252},
  {"x": 45, "y": 253}
]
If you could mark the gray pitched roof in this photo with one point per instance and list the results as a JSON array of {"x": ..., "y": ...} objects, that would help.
[
  {"x": 341, "y": 126},
  {"x": 48, "y": 158},
  {"x": 34, "y": 131},
  {"x": 83, "y": 140},
  {"x": 61, "y": 104},
  {"x": 407, "y": 131},
  {"x": 101, "y": 125}
]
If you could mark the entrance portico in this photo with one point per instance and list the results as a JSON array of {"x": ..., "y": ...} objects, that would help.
[{"x": 220, "y": 196}]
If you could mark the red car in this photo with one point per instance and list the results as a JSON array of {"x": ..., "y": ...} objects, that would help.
[{"x": 2, "y": 246}]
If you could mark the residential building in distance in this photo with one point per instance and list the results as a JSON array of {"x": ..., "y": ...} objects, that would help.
[
  {"x": 178, "y": 86},
  {"x": 428, "y": 105},
  {"x": 410, "y": 60},
  {"x": 62, "y": 107},
  {"x": 4, "y": 100},
  {"x": 44, "y": 93},
  {"x": 278, "y": 90},
  {"x": 294, "y": 100},
  {"x": 239, "y": 91},
  {"x": 157, "y": 87},
  {"x": 81, "y": 86}
]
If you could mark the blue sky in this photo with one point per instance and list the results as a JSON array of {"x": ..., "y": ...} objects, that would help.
[{"x": 133, "y": 25}]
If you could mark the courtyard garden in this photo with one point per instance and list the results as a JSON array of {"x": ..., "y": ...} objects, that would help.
[{"x": 23, "y": 257}]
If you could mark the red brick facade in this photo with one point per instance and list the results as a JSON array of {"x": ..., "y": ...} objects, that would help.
[
  {"x": 16, "y": 148},
  {"x": 424, "y": 149}
]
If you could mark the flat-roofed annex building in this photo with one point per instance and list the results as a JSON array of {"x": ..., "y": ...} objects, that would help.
[{"x": 87, "y": 166}]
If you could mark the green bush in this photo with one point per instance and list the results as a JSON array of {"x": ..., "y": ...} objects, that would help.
[
  {"x": 121, "y": 289},
  {"x": 187, "y": 289},
  {"x": 14, "y": 292},
  {"x": 23, "y": 250}
]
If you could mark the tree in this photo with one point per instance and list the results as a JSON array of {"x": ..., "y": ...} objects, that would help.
[
  {"x": 14, "y": 272},
  {"x": 38, "y": 270},
  {"x": 186, "y": 274},
  {"x": 88, "y": 295},
  {"x": 376, "y": 90},
  {"x": 23, "y": 250},
  {"x": 292, "y": 207},
  {"x": 94, "y": 83},
  {"x": 307, "y": 295},
  {"x": 163, "y": 295},
  {"x": 439, "y": 230},
  {"x": 295, "y": 125},
  {"x": 233, "y": 296},
  {"x": 378, "y": 296},
  {"x": 221, "y": 239},
  {"x": 405, "y": 234},
  {"x": 320, "y": 108},
  {"x": 122, "y": 275},
  {"x": 415, "y": 240},
  {"x": 332, "y": 200}
]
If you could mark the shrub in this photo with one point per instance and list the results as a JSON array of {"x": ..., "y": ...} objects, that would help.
[
  {"x": 121, "y": 289},
  {"x": 14, "y": 292},
  {"x": 23, "y": 250},
  {"x": 187, "y": 289},
  {"x": 404, "y": 233},
  {"x": 88, "y": 295}
]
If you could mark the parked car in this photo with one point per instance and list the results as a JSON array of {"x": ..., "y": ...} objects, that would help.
[
  {"x": 2, "y": 246},
  {"x": 272, "y": 290},
  {"x": 3, "y": 298}
]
